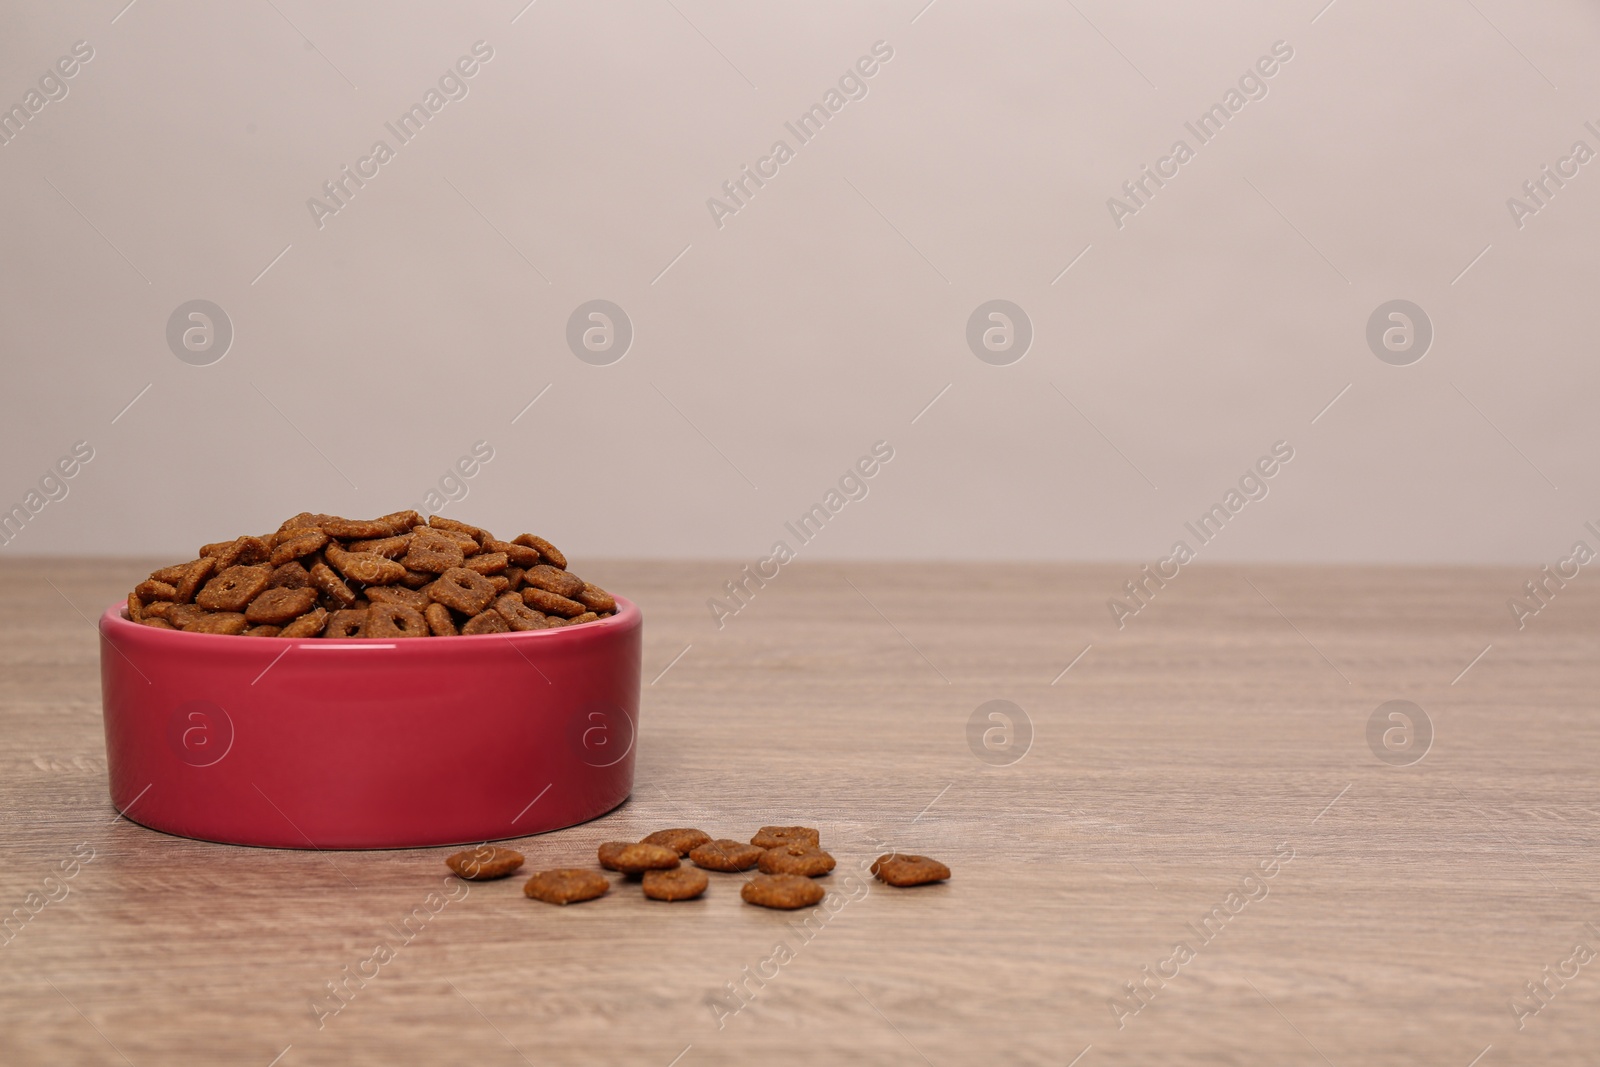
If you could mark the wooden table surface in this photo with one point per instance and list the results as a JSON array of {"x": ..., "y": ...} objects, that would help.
[{"x": 1221, "y": 734}]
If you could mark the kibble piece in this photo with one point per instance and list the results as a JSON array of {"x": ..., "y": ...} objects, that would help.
[
  {"x": 414, "y": 599},
  {"x": 785, "y": 891},
  {"x": 264, "y": 630},
  {"x": 394, "y": 620},
  {"x": 232, "y": 589},
  {"x": 150, "y": 589},
  {"x": 587, "y": 616},
  {"x": 462, "y": 590},
  {"x": 135, "y": 608},
  {"x": 440, "y": 622},
  {"x": 484, "y": 863},
  {"x": 489, "y": 622},
  {"x": 806, "y": 860},
  {"x": 218, "y": 622},
  {"x": 174, "y": 574},
  {"x": 553, "y": 621},
  {"x": 903, "y": 869},
  {"x": 520, "y": 555},
  {"x": 401, "y": 521},
  {"x": 323, "y": 577},
  {"x": 387, "y": 547},
  {"x": 308, "y": 625},
  {"x": 595, "y": 599},
  {"x": 193, "y": 575},
  {"x": 567, "y": 885},
  {"x": 554, "y": 579},
  {"x": 279, "y": 606},
  {"x": 633, "y": 858},
  {"x": 682, "y": 883},
  {"x": 159, "y": 624},
  {"x": 180, "y": 615},
  {"x": 774, "y": 836},
  {"x": 432, "y": 552},
  {"x": 477, "y": 533},
  {"x": 725, "y": 855},
  {"x": 363, "y": 567},
  {"x": 241, "y": 551},
  {"x": 290, "y": 576},
  {"x": 487, "y": 562},
  {"x": 158, "y": 609},
  {"x": 550, "y": 553},
  {"x": 417, "y": 579},
  {"x": 354, "y": 529},
  {"x": 551, "y": 603},
  {"x": 518, "y": 615},
  {"x": 680, "y": 841},
  {"x": 301, "y": 543},
  {"x": 345, "y": 623}
]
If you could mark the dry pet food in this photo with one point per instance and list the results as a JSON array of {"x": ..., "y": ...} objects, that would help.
[
  {"x": 680, "y": 883},
  {"x": 484, "y": 863},
  {"x": 785, "y": 891},
  {"x": 631, "y": 857},
  {"x": 726, "y": 855},
  {"x": 798, "y": 859},
  {"x": 773, "y": 836},
  {"x": 901, "y": 869},
  {"x": 680, "y": 841},
  {"x": 566, "y": 885},
  {"x": 389, "y": 577}
]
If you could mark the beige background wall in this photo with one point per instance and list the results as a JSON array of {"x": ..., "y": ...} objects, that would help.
[{"x": 771, "y": 353}]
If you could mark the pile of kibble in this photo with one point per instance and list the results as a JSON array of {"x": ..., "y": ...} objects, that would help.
[
  {"x": 394, "y": 576},
  {"x": 788, "y": 857}
]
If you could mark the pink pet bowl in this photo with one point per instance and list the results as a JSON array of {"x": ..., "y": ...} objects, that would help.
[{"x": 367, "y": 743}]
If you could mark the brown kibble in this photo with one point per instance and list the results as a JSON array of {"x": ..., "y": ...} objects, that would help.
[
  {"x": 903, "y": 869},
  {"x": 556, "y": 581},
  {"x": 633, "y": 858},
  {"x": 302, "y": 521},
  {"x": 401, "y": 521},
  {"x": 354, "y": 529},
  {"x": 302, "y": 543},
  {"x": 217, "y": 622},
  {"x": 233, "y": 588},
  {"x": 595, "y": 599},
  {"x": 462, "y": 590},
  {"x": 518, "y": 615},
  {"x": 587, "y": 616},
  {"x": 682, "y": 883},
  {"x": 478, "y": 534},
  {"x": 680, "y": 841},
  {"x": 806, "y": 860},
  {"x": 414, "y": 599},
  {"x": 394, "y": 620},
  {"x": 519, "y": 555},
  {"x": 159, "y": 624},
  {"x": 489, "y": 622},
  {"x": 174, "y": 574},
  {"x": 308, "y": 625},
  {"x": 193, "y": 575},
  {"x": 157, "y": 609},
  {"x": 546, "y": 550},
  {"x": 551, "y": 603},
  {"x": 345, "y": 623},
  {"x": 432, "y": 552},
  {"x": 330, "y": 584},
  {"x": 725, "y": 855},
  {"x": 280, "y": 606},
  {"x": 387, "y": 547},
  {"x": 241, "y": 552},
  {"x": 783, "y": 891},
  {"x": 180, "y": 615},
  {"x": 774, "y": 836},
  {"x": 290, "y": 576},
  {"x": 567, "y": 885},
  {"x": 264, "y": 630},
  {"x": 417, "y": 579},
  {"x": 150, "y": 589},
  {"x": 363, "y": 567},
  {"x": 484, "y": 863},
  {"x": 440, "y": 622},
  {"x": 486, "y": 562}
]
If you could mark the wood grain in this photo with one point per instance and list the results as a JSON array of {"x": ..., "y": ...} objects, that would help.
[{"x": 1225, "y": 724}]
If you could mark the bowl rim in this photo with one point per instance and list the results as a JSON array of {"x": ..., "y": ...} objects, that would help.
[{"x": 114, "y": 620}]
